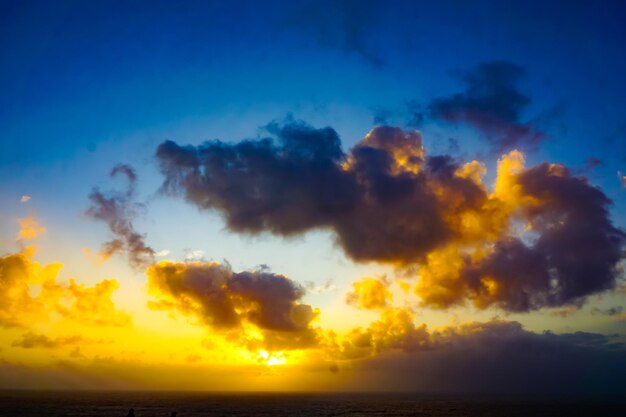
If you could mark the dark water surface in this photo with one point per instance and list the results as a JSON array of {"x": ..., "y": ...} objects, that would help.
[{"x": 149, "y": 404}]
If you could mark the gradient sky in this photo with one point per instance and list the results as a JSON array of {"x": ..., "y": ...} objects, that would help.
[{"x": 302, "y": 287}]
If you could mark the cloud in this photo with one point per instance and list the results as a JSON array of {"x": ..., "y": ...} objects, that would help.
[
  {"x": 369, "y": 294},
  {"x": 541, "y": 238},
  {"x": 18, "y": 273},
  {"x": 194, "y": 255},
  {"x": 21, "y": 278},
  {"x": 493, "y": 104},
  {"x": 395, "y": 330},
  {"x": 118, "y": 210},
  {"x": 374, "y": 198},
  {"x": 621, "y": 178},
  {"x": 611, "y": 311},
  {"x": 255, "y": 309},
  {"x": 29, "y": 228},
  {"x": 313, "y": 288},
  {"x": 32, "y": 340},
  {"x": 25, "y": 199},
  {"x": 93, "y": 305},
  {"x": 344, "y": 25},
  {"x": 496, "y": 357},
  {"x": 569, "y": 248}
]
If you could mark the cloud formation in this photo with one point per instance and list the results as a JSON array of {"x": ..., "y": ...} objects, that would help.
[
  {"x": 118, "y": 210},
  {"x": 344, "y": 25},
  {"x": 611, "y": 311},
  {"x": 378, "y": 198},
  {"x": 21, "y": 278},
  {"x": 29, "y": 229},
  {"x": 31, "y": 340},
  {"x": 493, "y": 104},
  {"x": 253, "y": 309},
  {"x": 496, "y": 357},
  {"x": 369, "y": 294},
  {"x": 541, "y": 238}
]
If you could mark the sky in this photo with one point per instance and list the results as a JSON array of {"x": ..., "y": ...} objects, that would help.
[{"x": 313, "y": 196}]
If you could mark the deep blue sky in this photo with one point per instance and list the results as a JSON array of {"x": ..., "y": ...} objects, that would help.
[{"x": 87, "y": 85}]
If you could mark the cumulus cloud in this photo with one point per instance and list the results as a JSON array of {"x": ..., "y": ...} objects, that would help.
[
  {"x": 17, "y": 274},
  {"x": 394, "y": 330},
  {"x": 569, "y": 249},
  {"x": 255, "y": 309},
  {"x": 369, "y": 293},
  {"x": 31, "y": 293},
  {"x": 493, "y": 104},
  {"x": 378, "y": 199},
  {"x": 542, "y": 237},
  {"x": 118, "y": 210},
  {"x": 93, "y": 305}
]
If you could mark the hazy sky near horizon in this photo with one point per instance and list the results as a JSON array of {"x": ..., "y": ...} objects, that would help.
[{"x": 313, "y": 195}]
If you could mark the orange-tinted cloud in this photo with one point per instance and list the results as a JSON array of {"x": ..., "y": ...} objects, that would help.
[
  {"x": 18, "y": 273},
  {"x": 93, "y": 305},
  {"x": 254, "y": 309},
  {"x": 369, "y": 293},
  {"x": 31, "y": 293},
  {"x": 393, "y": 330},
  {"x": 32, "y": 340},
  {"x": 29, "y": 228}
]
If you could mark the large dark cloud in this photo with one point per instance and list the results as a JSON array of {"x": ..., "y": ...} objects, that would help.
[
  {"x": 225, "y": 301},
  {"x": 493, "y": 104},
  {"x": 379, "y": 199},
  {"x": 386, "y": 201},
  {"x": 500, "y": 357},
  {"x": 576, "y": 251},
  {"x": 118, "y": 210}
]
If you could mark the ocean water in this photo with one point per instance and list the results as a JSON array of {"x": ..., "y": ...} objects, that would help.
[{"x": 162, "y": 404}]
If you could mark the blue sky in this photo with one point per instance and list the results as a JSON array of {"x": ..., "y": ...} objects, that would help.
[{"x": 87, "y": 85}]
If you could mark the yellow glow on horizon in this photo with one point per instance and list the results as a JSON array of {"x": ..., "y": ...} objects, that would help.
[{"x": 271, "y": 359}]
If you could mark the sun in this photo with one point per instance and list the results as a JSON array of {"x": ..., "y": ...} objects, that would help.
[{"x": 271, "y": 359}]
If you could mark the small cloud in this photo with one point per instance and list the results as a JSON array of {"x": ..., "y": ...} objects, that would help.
[
  {"x": 25, "y": 199},
  {"x": 31, "y": 340},
  {"x": 29, "y": 228},
  {"x": 76, "y": 353},
  {"x": 162, "y": 253},
  {"x": 593, "y": 163},
  {"x": 564, "y": 312},
  {"x": 194, "y": 255},
  {"x": 612, "y": 311},
  {"x": 370, "y": 293},
  {"x": 621, "y": 178},
  {"x": 193, "y": 358},
  {"x": 313, "y": 288}
]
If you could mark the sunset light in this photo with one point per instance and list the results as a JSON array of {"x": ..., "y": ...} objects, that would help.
[{"x": 312, "y": 207}]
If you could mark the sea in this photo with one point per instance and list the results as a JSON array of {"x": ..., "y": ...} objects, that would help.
[{"x": 187, "y": 404}]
